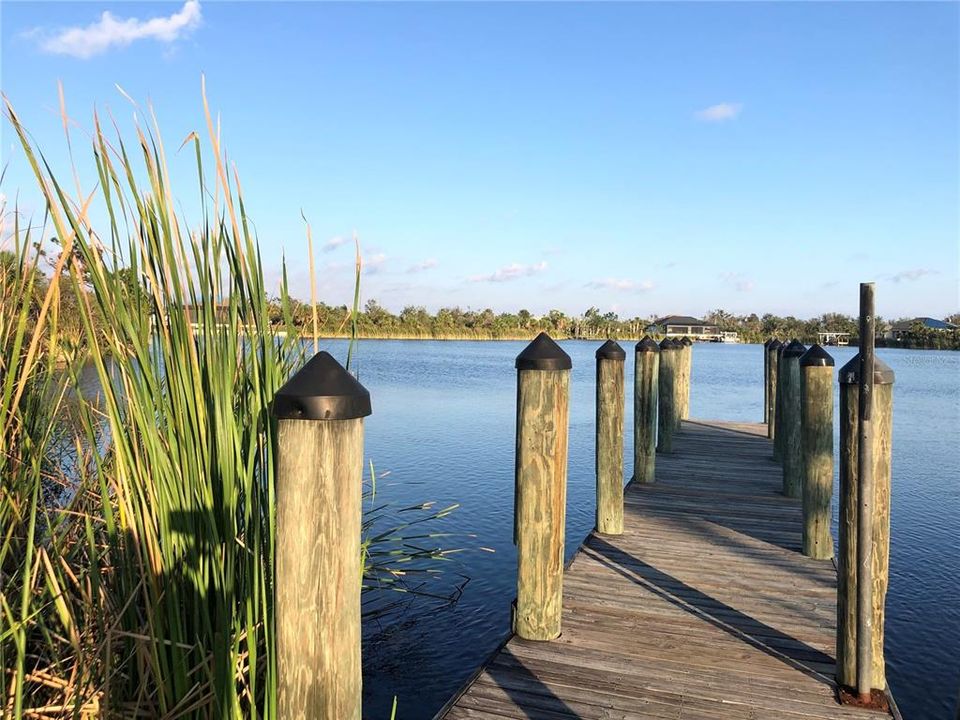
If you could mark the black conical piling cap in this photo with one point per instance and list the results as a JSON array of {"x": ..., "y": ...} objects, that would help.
[
  {"x": 321, "y": 390},
  {"x": 686, "y": 342},
  {"x": 816, "y": 356},
  {"x": 850, "y": 373},
  {"x": 767, "y": 343},
  {"x": 794, "y": 350},
  {"x": 543, "y": 354},
  {"x": 610, "y": 350},
  {"x": 648, "y": 344},
  {"x": 774, "y": 345},
  {"x": 667, "y": 344}
]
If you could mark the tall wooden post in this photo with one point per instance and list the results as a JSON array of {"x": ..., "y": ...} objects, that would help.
[
  {"x": 766, "y": 380},
  {"x": 679, "y": 360},
  {"x": 646, "y": 376},
  {"x": 816, "y": 436},
  {"x": 790, "y": 419},
  {"x": 847, "y": 565},
  {"x": 687, "y": 369},
  {"x": 609, "y": 454},
  {"x": 773, "y": 355},
  {"x": 543, "y": 400},
  {"x": 319, "y": 415},
  {"x": 667, "y": 417},
  {"x": 778, "y": 407},
  {"x": 865, "y": 501}
]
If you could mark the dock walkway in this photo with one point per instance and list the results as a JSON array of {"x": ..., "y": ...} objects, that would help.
[{"x": 703, "y": 609}]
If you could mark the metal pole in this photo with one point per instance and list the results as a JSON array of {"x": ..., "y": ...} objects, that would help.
[{"x": 865, "y": 494}]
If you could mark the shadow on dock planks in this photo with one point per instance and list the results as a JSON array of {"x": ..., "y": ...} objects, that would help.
[{"x": 703, "y": 609}]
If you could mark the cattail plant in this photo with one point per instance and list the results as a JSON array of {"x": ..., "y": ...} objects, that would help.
[{"x": 137, "y": 522}]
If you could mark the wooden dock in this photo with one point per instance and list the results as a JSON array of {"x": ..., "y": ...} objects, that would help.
[{"x": 704, "y": 608}]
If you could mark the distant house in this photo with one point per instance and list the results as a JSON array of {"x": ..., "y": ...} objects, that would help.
[
  {"x": 684, "y": 326},
  {"x": 904, "y": 328}
]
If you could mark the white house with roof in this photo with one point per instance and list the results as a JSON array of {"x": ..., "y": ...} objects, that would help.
[{"x": 674, "y": 326}]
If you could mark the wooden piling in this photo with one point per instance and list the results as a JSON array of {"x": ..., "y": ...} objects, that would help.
[
  {"x": 865, "y": 494},
  {"x": 667, "y": 417},
  {"x": 681, "y": 376},
  {"x": 687, "y": 365},
  {"x": 816, "y": 437},
  {"x": 778, "y": 407},
  {"x": 646, "y": 376},
  {"x": 847, "y": 566},
  {"x": 543, "y": 399},
  {"x": 319, "y": 413},
  {"x": 773, "y": 355},
  {"x": 609, "y": 450},
  {"x": 766, "y": 379},
  {"x": 790, "y": 419}
]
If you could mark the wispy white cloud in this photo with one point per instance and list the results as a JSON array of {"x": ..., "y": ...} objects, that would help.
[
  {"x": 719, "y": 112},
  {"x": 738, "y": 281},
  {"x": 373, "y": 264},
  {"x": 911, "y": 275},
  {"x": 511, "y": 272},
  {"x": 427, "y": 264},
  {"x": 333, "y": 243},
  {"x": 621, "y": 284},
  {"x": 112, "y": 32}
]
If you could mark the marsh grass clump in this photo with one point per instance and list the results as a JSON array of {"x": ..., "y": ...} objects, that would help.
[{"x": 137, "y": 520}]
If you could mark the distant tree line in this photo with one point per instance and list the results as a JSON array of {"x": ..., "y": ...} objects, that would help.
[{"x": 414, "y": 321}]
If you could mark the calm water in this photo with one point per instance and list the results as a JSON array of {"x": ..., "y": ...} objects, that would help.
[{"x": 443, "y": 425}]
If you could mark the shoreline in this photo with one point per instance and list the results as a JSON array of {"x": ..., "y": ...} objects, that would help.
[{"x": 520, "y": 338}]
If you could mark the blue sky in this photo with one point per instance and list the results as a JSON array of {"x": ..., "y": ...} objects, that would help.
[{"x": 647, "y": 158}]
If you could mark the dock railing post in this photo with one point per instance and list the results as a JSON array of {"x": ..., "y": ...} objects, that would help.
[
  {"x": 687, "y": 365},
  {"x": 789, "y": 428},
  {"x": 778, "y": 407},
  {"x": 319, "y": 413},
  {"x": 773, "y": 354},
  {"x": 766, "y": 381},
  {"x": 865, "y": 494},
  {"x": 543, "y": 400},
  {"x": 848, "y": 636},
  {"x": 609, "y": 452},
  {"x": 646, "y": 377},
  {"x": 816, "y": 436},
  {"x": 667, "y": 418}
]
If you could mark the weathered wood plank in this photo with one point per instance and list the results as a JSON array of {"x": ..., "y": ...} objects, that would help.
[{"x": 703, "y": 608}]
